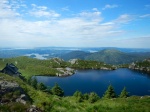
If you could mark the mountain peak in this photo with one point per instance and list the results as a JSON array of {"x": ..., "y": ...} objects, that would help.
[{"x": 111, "y": 50}]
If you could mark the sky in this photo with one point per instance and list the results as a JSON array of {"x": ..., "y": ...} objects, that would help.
[{"x": 75, "y": 23}]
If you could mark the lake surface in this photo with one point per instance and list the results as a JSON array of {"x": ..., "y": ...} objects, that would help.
[{"x": 87, "y": 81}]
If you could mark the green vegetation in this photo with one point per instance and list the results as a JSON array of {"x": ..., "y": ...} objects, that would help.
[
  {"x": 56, "y": 90},
  {"x": 124, "y": 93},
  {"x": 41, "y": 86},
  {"x": 109, "y": 56},
  {"x": 110, "y": 92},
  {"x": 75, "y": 55},
  {"x": 141, "y": 65},
  {"x": 112, "y": 56},
  {"x": 91, "y": 97},
  {"x": 91, "y": 102},
  {"x": 30, "y": 66},
  {"x": 144, "y": 63},
  {"x": 50, "y": 99},
  {"x": 87, "y": 64}
]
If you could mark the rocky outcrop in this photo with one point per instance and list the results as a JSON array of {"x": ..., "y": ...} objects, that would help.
[
  {"x": 6, "y": 86},
  {"x": 73, "y": 61},
  {"x": 33, "y": 108},
  {"x": 141, "y": 66},
  {"x": 12, "y": 92},
  {"x": 65, "y": 72}
]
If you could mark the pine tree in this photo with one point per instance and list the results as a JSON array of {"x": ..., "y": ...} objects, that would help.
[
  {"x": 86, "y": 96},
  {"x": 93, "y": 97},
  {"x": 110, "y": 93},
  {"x": 79, "y": 96},
  {"x": 34, "y": 83},
  {"x": 56, "y": 90},
  {"x": 41, "y": 86},
  {"x": 124, "y": 93}
]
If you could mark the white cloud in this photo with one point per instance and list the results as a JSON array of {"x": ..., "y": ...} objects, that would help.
[
  {"x": 6, "y": 11},
  {"x": 84, "y": 29},
  {"x": 94, "y": 16},
  {"x": 108, "y": 6},
  {"x": 95, "y": 9},
  {"x": 144, "y": 16},
  {"x": 43, "y": 11},
  {"x": 124, "y": 18}
]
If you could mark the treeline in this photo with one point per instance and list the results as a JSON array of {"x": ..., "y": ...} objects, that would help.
[
  {"x": 91, "y": 97},
  {"x": 55, "y": 90}
]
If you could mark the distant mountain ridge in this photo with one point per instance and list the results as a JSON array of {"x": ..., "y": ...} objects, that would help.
[
  {"x": 75, "y": 54},
  {"x": 109, "y": 56}
]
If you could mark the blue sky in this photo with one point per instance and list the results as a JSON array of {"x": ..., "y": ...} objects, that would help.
[{"x": 75, "y": 23}]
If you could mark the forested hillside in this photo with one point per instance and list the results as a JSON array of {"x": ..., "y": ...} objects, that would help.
[{"x": 109, "y": 56}]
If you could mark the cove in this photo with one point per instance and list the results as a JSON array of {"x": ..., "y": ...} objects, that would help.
[{"x": 86, "y": 81}]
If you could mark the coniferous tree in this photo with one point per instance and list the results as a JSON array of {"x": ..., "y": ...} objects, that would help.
[
  {"x": 56, "y": 90},
  {"x": 34, "y": 83},
  {"x": 77, "y": 93},
  {"x": 124, "y": 93},
  {"x": 93, "y": 97},
  {"x": 41, "y": 86},
  {"x": 79, "y": 96},
  {"x": 110, "y": 93},
  {"x": 86, "y": 96}
]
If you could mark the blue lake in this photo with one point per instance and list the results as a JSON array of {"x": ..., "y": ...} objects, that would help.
[{"x": 86, "y": 81}]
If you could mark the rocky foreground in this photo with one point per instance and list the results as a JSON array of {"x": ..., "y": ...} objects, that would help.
[{"x": 11, "y": 93}]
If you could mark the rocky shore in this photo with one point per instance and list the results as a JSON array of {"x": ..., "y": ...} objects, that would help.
[
  {"x": 141, "y": 66},
  {"x": 65, "y": 72}
]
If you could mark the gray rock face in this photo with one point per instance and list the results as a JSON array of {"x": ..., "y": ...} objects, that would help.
[
  {"x": 73, "y": 61},
  {"x": 9, "y": 87},
  {"x": 33, "y": 108},
  {"x": 65, "y": 72},
  {"x": 22, "y": 99},
  {"x": 138, "y": 66},
  {"x": 6, "y": 87}
]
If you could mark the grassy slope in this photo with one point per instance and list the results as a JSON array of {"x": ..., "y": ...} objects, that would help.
[
  {"x": 30, "y": 66},
  {"x": 69, "y": 104}
]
